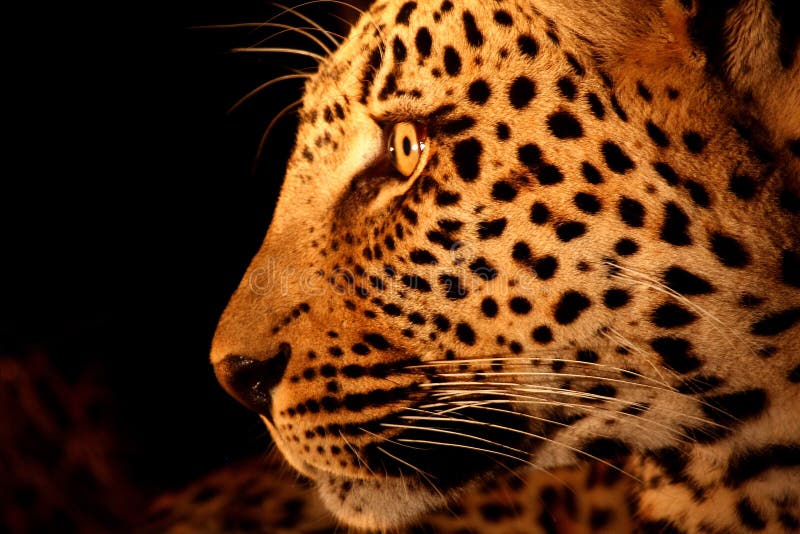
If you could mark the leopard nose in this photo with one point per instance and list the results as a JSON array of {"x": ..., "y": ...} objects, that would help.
[{"x": 251, "y": 381}]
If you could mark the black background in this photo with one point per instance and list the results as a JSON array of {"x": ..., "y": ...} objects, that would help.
[{"x": 131, "y": 209}]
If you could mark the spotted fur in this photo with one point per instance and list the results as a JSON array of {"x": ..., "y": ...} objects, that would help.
[{"x": 598, "y": 259}]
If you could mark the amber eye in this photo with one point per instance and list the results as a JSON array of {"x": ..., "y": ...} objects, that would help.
[{"x": 406, "y": 142}]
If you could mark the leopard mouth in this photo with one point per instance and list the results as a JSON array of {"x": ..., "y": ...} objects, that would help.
[{"x": 408, "y": 465}]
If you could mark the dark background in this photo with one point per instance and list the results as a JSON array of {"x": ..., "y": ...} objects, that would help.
[{"x": 131, "y": 210}]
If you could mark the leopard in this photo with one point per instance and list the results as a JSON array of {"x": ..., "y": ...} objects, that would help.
[{"x": 519, "y": 239}]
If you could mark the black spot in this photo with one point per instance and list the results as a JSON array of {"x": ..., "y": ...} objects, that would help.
[
  {"x": 686, "y": 283},
  {"x": 521, "y": 91},
  {"x": 491, "y": 229},
  {"x": 442, "y": 323},
  {"x": 503, "y": 18},
  {"x": 615, "y": 298},
  {"x": 672, "y": 93},
  {"x": 528, "y": 45},
  {"x": 489, "y": 307},
  {"x": 600, "y": 517},
  {"x": 626, "y": 247},
  {"x": 503, "y": 132},
  {"x": 730, "y": 409},
  {"x": 790, "y": 201},
  {"x": 465, "y": 334},
  {"x": 416, "y": 318},
  {"x": 676, "y": 354},
  {"x": 698, "y": 193},
  {"x": 564, "y": 125},
  {"x": 542, "y": 334},
  {"x": 615, "y": 158},
  {"x": 600, "y": 390},
  {"x": 742, "y": 186},
  {"x": 446, "y": 6},
  {"x": 618, "y": 109},
  {"x": 667, "y": 173},
  {"x": 576, "y": 66},
  {"x": 410, "y": 215},
  {"x": 479, "y": 92},
  {"x": 596, "y": 106},
  {"x": 503, "y": 191},
  {"x": 404, "y": 14},
  {"x": 671, "y": 315},
  {"x": 566, "y": 87},
  {"x": 657, "y": 134},
  {"x": 606, "y": 448},
  {"x": 449, "y": 225},
  {"x": 729, "y": 251},
  {"x": 549, "y": 174},
  {"x": 423, "y": 41},
  {"x": 452, "y": 61},
  {"x": 790, "y": 268},
  {"x": 587, "y": 203},
  {"x": 643, "y": 91},
  {"x": 360, "y": 349},
  {"x": 399, "y": 49},
  {"x": 412, "y": 281},
  {"x": 748, "y": 300},
  {"x": 454, "y": 127},
  {"x": 567, "y": 231},
  {"x": 694, "y": 143},
  {"x": 483, "y": 269},
  {"x": 539, "y": 213},
  {"x": 676, "y": 226},
  {"x": 520, "y": 305},
  {"x": 377, "y": 341},
  {"x": 530, "y": 155},
  {"x": 589, "y": 356},
  {"x": 447, "y": 198},
  {"x": 752, "y": 463},
  {"x": 474, "y": 35},
  {"x": 422, "y": 257},
  {"x": 590, "y": 173},
  {"x": 372, "y": 68},
  {"x": 749, "y": 516},
  {"x": 631, "y": 211},
  {"x": 545, "y": 267},
  {"x": 570, "y": 306},
  {"x": 466, "y": 156},
  {"x": 453, "y": 288},
  {"x": 774, "y": 324}
]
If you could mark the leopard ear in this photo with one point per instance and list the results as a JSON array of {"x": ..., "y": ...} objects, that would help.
[{"x": 753, "y": 46}]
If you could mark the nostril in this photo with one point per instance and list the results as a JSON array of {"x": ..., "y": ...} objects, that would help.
[{"x": 251, "y": 381}]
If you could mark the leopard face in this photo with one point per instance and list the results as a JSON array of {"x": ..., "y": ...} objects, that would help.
[{"x": 516, "y": 235}]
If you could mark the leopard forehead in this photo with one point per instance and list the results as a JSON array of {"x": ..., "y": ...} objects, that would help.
[{"x": 598, "y": 239}]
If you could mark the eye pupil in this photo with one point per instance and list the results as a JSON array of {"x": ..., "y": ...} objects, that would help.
[{"x": 406, "y": 143}]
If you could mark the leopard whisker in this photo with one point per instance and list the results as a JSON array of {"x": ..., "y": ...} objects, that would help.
[
  {"x": 653, "y": 283},
  {"x": 625, "y": 342},
  {"x": 280, "y": 50},
  {"x": 315, "y": 24},
  {"x": 426, "y": 476},
  {"x": 525, "y": 360},
  {"x": 264, "y": 86},
  {"x": 550, "y": 374},
  {"x": 484, "y": 405},
  {"x": 527, "y": 434},
  {"x": 263, "y": 141},
  {"x": 549, "y": 402}
]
